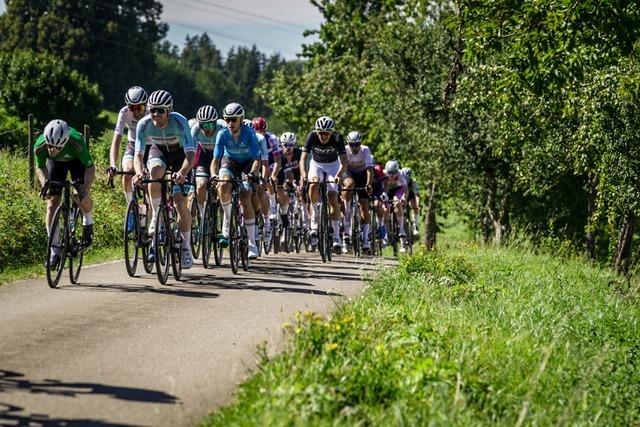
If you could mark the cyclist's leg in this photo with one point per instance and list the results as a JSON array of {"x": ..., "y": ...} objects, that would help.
[
  {"x": 263, "y": 198},
  {"x": 273, "y": 202},
  {"x": 347, "y": 196},
  {"x": 314, "y": 196},
  {"x": 86, "y": 175},
  {"x": 202, "y": 165},
  {"x": 283, "y": 203},
  {"x": 224, "y": 194},
  {"x": 57, "y": 171},
  {"x": 157, "y": 164},
  {"x": 334, "y": 201},
  {"x": 127, "y": 166},
  {"x": 249, "y": 214}
]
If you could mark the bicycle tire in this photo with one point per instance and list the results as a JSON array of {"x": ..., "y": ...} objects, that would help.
[
  {"x": 355, "y": 225},
  {"x": 244, "y": 248},
  {"x": 76, "y": 253},
  {"x": 217, "y": 248},
  {"x": 259, "y": 232},
  {"x": 394, "y": 234},
  {"x": 162, "y": 244},
  {"x": 176, "y": 248},
  {"x": 275, "y": 236},
  {"x": 196, "y": 229},
  {"x": 234, "y": 239},
  {"x": 130, "y": 239},
  {"x": 59, "y": 223}
]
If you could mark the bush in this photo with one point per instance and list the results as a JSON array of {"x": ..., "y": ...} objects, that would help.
[
  {"x": 43, "y": 85},
  {"x": 13, "y": 132}
]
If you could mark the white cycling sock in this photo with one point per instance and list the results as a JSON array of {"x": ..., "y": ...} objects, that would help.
[
  {"x": 305, "y": 213},
  {"x": 226, "y": 208},
  {"x": 87, "y": 219},
  {"x": 250, "y": 224},
  {"x": 273, "y": 204},
  {"x": 155, "y": 205},
  {"x": 129, "y": 196}
]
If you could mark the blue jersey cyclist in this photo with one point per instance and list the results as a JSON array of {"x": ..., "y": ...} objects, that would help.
[
  {"x": 172, "y": 147},
  {"x": 236, "y": 152},
  {"x": 204, "y": 132}
]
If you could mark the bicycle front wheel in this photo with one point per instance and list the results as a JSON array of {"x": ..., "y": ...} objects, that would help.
[
  {"x": 162, "y": 245},
  {"x": 176, "y": 249},
  {"x": 234, "y": 239},
  {"x": 57, "y": 243},
  {"x": 76, "y": 248},
  {"x": 131, "y": 236}
]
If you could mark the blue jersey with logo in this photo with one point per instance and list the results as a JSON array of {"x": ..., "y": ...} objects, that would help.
[
  {"x": 244, "y": 149},
  {"x": 264, "y": 150},
  {"x": 207, "y": 142},
  {"x": 176, "y": 133}
]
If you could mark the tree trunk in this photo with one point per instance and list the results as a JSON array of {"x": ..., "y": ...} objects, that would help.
[
  {"x": 498, "y": 212},
  {"x": 623, "y": 248},
  {"x": 430, "y": 226},
  {"x": 592, "y": 185}
]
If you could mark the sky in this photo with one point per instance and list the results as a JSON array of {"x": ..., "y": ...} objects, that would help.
[{"x": 272, "y": 25}]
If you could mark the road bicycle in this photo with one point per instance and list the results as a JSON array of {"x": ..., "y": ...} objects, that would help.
[
  {"x": 66, "y": 237},
  {"x": 211, "y": 228},
  {"x": 238, "y": 239}
]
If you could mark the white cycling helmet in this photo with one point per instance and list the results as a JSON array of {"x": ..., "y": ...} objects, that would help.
[
  {"x": 406, "y": 172},
  {"x": 56, "y": 133},
  {"x": 248, "y": 122},
  {"x": 288, "y": 138},
  {"x": 392, "y": 166},
  {"x": 354, "y": 137},
  {"x": 233, "y": 110},
  {"x": 160, "y": 99},
  {"x": 135, "y": 96},
  {"x": 324, "y": 124},
  {"x": 206, "y": 113}
]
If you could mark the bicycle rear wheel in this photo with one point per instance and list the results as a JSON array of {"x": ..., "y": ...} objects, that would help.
[
  {"x": 234, "y": 239},
  {"x": 196, "y": 229},
  {"x": 355, "y": 227},
  {"x": 76, "y": 248},
  {"x": 207, "y": 235},
  {"x": 393, "y": 236},
  {"x": 216, "y": 247},
  {"x": 162, "y": 245},
  {"x": 176, "y": 249},
  {"x": 244, "y": 248},
  {"x": 131, "y": 237},
  {"x": 57, "y": 242}
]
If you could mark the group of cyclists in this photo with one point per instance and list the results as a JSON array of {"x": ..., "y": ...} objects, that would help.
[{"x": 211, "y": 151}]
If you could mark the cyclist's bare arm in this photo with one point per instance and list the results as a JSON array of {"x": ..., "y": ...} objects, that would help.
[
  {"x": 265, "y": 169},
  {"x": 303, "y": 165},
  {"x": 343, "y": 165},
  {"x": 276, "y": 169},
  {"x": 255, "y": 167},
  {"x": 115, "y": 149},
  {"x": 43, "y": 175},
  {"x": 215, "y": 167},
  {"x": 187, "y": 165}
]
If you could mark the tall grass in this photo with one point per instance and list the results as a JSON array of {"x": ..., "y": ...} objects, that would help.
[{"x": 462, "y": 336}]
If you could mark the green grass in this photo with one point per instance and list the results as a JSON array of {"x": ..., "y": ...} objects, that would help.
[{"x": 466, "y": 335}]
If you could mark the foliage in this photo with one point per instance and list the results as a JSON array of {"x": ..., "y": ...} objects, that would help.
[
  {"x": 13, "y": 131},
  {"x": 44, "y": 86},
  {"x": 110, "y": 42},
  {"x": 502, "y": 338}
]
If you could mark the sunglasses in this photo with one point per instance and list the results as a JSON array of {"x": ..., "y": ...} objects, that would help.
[
  {"x": 138, "y": 107},
  {"x": 325, "y": 134},
  {"x": 158, "y": 111},
  {"x": 354, "y": 144},
  {"x": 288, "y": 145},
  {"x": 207, "y": 126},
  {"x": 231, "y": 119},
  {"x": 392, "y": 173}
]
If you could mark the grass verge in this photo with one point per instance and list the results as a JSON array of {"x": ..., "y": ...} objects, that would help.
[
  {"x": 466, "y": 335},
  {"x": 96, "y": 256}
]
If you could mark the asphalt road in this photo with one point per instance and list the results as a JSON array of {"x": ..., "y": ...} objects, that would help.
[{"x": 121, "y": 351}]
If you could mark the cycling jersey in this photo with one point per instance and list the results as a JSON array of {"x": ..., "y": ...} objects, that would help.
[
  {"x": 262, "y": 144},
  {"x": 207, "y": 142},
  {"x": 273, "y": 147},
  {"x": 324, "y": 153},
  {"x": 395, "y": 181},
  {"x": 378, "y": 174},
  {"x": 241, "y": 150},
  {"x": 125, "y": 118},
  {"x": 75, "y": 148},
  {"x": 173, "y": 136},
  {"x": 360, "y": 161}
]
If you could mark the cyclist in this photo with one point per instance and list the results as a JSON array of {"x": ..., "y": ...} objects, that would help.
[
  {"x": 328, "y": 155},
  {"x": 360, "y": 175},
  {"x": 290, "y": 172},
  {"x": 61, "y": 149},
  {"x": 274, "y": 154},
  {"x": 413, "y": 199},
  {"x": 128, "y": 117},
  {"x": 378, "y": 195},
  {"x": 260, "y": 199},
  {"x": 204, "y": 131},
  {"x": 172, "y": 146},
  {"x": 236, "y": 152},
  {"x": 397, "y": 192}
]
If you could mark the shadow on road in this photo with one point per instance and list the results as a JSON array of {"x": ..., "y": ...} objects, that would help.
[
  {"x": 132, "y": 288},
  {"x": 15, "y": 381},
  {"x": 11, "y": 415}
]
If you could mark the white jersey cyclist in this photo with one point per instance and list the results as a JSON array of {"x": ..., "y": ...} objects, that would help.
[{"x": 360, "y": 161}]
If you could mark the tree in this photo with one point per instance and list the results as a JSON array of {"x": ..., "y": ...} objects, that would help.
[
  {"x": 110, "y": 42},
  {"x": 43, "y": 85}
]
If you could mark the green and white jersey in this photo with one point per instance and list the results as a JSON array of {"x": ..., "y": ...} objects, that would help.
[{"x": 75, "y": 148}]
